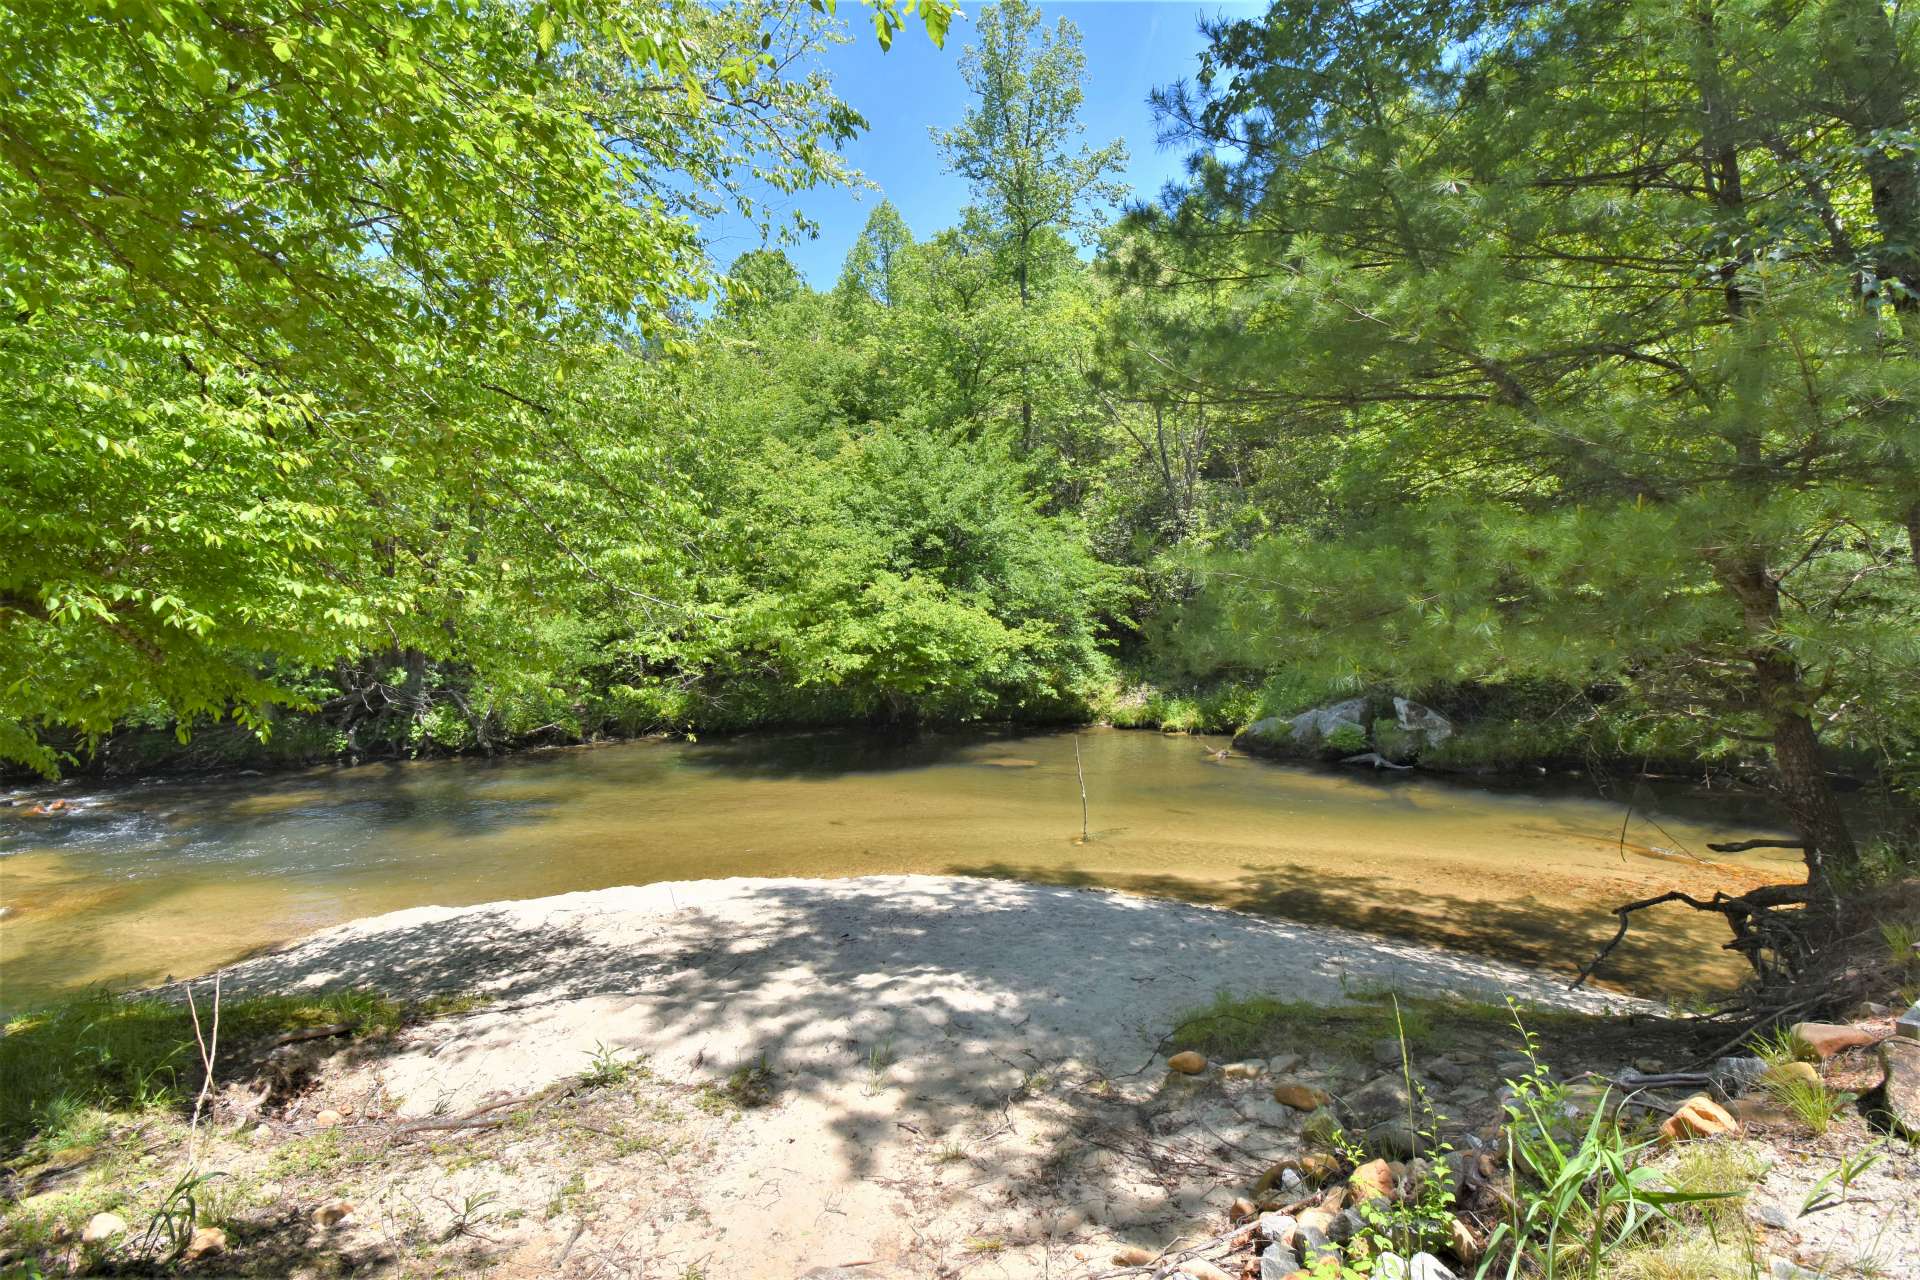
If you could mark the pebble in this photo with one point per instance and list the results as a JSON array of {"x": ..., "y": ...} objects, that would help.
[
  {"x": 1302, "y": 1097},
  {"x": 1387, "y": 1052},
  {"x": 1132, "y": 1256},
  {"x": 328, "y": 1119},
  {"x": 206, "y": 1242},
  {"x": 1187, "y": 1063},
  {"x": 102, "y": 1227},
  {"x": 1278, "y": 1263}
]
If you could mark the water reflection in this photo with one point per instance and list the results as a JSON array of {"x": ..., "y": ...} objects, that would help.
[{"x": 154, "y": 879}]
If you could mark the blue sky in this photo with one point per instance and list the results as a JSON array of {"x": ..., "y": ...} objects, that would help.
[{"x": 1131, "y": 46}]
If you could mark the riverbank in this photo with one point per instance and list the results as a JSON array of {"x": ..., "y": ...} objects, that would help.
[
  {"x": 900, "y": 1077},
  {"x": 133, "y": 883}
]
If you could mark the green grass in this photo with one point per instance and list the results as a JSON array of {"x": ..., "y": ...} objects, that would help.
[
  {"x": 67, "y": 1068},
  {"x": 1812, "y": 1102},
  {"x": 1246, "y": 1026}
]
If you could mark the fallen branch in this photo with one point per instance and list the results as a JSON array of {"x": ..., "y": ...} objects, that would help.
[
  {"x": 1748, "y": 915},
  {"x": 312, "y": 1033},
  {"x": 1741, "y": 846},
  {"x": 483, "y": 1117}
]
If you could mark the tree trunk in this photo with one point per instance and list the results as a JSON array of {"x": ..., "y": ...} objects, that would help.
[{"x": 1805, "y": 792}]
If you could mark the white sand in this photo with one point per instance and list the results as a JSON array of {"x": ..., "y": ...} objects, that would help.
[{"x": 902, "y": 1016}]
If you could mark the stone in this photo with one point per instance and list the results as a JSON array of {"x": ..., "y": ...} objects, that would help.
[
  {"x": 1389, "y": 1266},
  {"x": 260, "y": 1133},
  {"x": 1386, "y": 1052},
  {"x": 1900, "y": 1059},
  {"x": 1828, "y": 1038},
  {"x": 1513, "y": 1068},
  {"x": 1187, "y": 1063},
  {"x": 1735, "y": 1076},
  {"x": 1384, "y": 1098},
  {"x": 1315, "y": 1219},
  {"x": 1908, "y": 1028},
  {"x": 1397, "y": 1139},
  {"x": 328, "y": 1119},
  {"x": 1649, "y": 1066},
  {"x": 1132, "y": 1256},
  {"x": 205, "y": 1242},
  {"x": 1281, "y": 1063},
  {"x": 1302, "y": 1097},
  {"x": 1348, "y": 1225},
  {"x": 102, "y": 1227},
  {"x": 1321, "y": 1129},
  {"x": 1445, "y": 1071},
  {"x": 1466, "y": 1243},
  {"x": 1698, "y": 1117},
  {"x": 1241, "y": 1209},
  {"x": 1276, "y": 1228},
  {"x": 1763, "y": 1112},
  {"x": 1372, "y": 1181},
  {"x": 1788, "y": 1073},
  {"x": 1201, "y": 1269},
  {"x": 332, "y": 1212},
  {"x": 1241, "y": 1070},
  {"x": 1424, "y": 1266},
  {"x": 1279, "y": 1263}
]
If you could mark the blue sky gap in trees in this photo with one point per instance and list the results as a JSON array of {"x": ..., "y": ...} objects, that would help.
[{"x": 1131, "y": 47}]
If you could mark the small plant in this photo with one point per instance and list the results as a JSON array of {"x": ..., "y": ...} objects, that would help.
[
  {"x": 605, "y": 1068},
  {"x": 985, "y": 1244},
  {"x": 952, "y": 1153},
  {"x": 170, "y": 1230},
  {"x": 879, "y": 1059},
  {"x": 474, "y": 1211},
  {"x": 1780, "y": 1046},
  {"x": 1811, "y": 1101},
  {"x": 1823, "y": 1195},
  {"x": 1578, "y": 1195}
]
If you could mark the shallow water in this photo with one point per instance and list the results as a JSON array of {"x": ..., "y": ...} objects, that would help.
[{"x": 177, "y": 878}]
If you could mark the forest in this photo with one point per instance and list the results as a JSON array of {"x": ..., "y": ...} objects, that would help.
[{"x": 369, "y": 389}]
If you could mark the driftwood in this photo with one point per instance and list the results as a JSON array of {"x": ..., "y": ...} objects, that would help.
[
  {"x": 487, "y": 1117},
  {"x": 1741, "y": 846},
  {"x": 1771, "y": 943}
]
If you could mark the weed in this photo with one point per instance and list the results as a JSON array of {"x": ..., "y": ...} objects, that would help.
[
  {"x": 985, "y": 1244},
  {"x": 879, "y": 1059},
  {"x": 1811, "y": 1101},
  {"x": 952, "y": 1153},
  {"x": 605, "y": 1068},
  {"x": 1823, "y": 1194},
  {"x": 1780, "y": 1046},
  {"x": 170, "y": 1229}
]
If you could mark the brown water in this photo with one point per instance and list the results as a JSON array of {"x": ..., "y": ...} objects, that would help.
[{"x": 174, "y": 878}]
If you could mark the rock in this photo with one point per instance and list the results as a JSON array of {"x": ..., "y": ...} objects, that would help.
[
  {"x": 1698, "y": 1117},
  {"x": 1467, "y": 1245},
  {"x": 1315, "y": 1219},
  {"x": 1787, "y": 1269},
  {"x": 1321, "y": 1129},
  {"x": 1829, "y": 1038},
  {"x": 1735, "y": 1076},
  {"x": 1324, "y": 722},
  {"x": 1302, "y": 1097},
  {"x": 1279, "y": 1263},
  {"x": 1348, "y": 1225},
  {"x": 328, "y": 1119},
  {"x": 261, "y": 1133},
  {"x": 1396, "y": 1138},
  {"x": 1281, "y": 1063},
  {"x": 102, "y": 1227},
  {"x": 1132, "y": 1256},
  {"x": 1514, "y": 1068},
  {"x": 1386, "y": 1052},
  {"x": 1788, "y": 1073},
  {"x": 1201, "y": 1269},
  {"x": 1424, "y": 1266},
  {"x": 332, "y": 1212},
  {"x": 1760, "y": 1111},
  {"x": 1241, "y": 1070},
  {"x": 1187, "y": 1063},
  {"x": 1241, "y": 1209},
  {"x": 1276, "y": 1228},
  {"x": 1372, "y": 1181},
  {"x": 1444, "y": 1071},
  {"x": 1900, "y": 1059},
  {"x": 1649, "y": 1066},
  {"x": 1428, "y": 725},
  {"x": 1386, "y": 1098},
  {"x": 1908, "y": 1028},
  {"x": 205, "y": 1242}
]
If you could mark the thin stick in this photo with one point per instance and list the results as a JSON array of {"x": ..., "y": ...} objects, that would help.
[
  {"x": 209, "y": 1050},
  {"x": 1081, "y": 771}
]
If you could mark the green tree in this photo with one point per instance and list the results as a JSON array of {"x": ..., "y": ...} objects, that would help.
[
  {"x": 290, "y": 292},
  {"x": 880, "y": 261},
  {"x": 1599, "y": 315}
]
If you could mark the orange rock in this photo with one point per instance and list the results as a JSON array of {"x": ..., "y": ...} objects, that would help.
[
  {"x": 1792, "y": 1072},
  {"x": 1467, "y": 1246},
  {"x": 1188, "y": 1063},
  {"x": 1302, "y": 1097},
  {"x": 1698, "y": 1117},
  {"x": 332, "y": 1212},
  {"x": 1372, "y": 1181},
  {"x": 1318, "y": 1219},
  {"x": 1131, "y": 1256},
  {"x": 1241, "y": 1209},
  {"x": 1829, "y": 1038}
]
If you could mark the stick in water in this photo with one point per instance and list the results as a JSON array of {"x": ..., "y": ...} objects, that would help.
[{"x": 1081, "y": 771}]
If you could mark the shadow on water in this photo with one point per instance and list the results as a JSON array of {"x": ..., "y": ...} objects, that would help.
[{"x": 836, "y": 753}]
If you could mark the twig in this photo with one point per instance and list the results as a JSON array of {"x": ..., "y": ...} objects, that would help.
[
  {"x": 1081, "y": 771},
  {"x": 209, "y": 1050},
  {"x": 312, "y": 1033}
]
